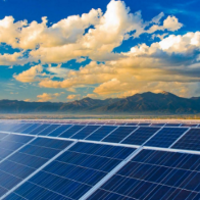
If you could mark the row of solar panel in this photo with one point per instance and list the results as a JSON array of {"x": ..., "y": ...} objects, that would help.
[
  {"x": 68, "y": 176},
  {"x": 148, "y": 136},
  {"x": 126, "y": 135},
  {"x": 149, "y": 175}
]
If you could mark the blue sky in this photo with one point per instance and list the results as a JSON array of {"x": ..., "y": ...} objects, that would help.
[{"x": 65, "y": 50}]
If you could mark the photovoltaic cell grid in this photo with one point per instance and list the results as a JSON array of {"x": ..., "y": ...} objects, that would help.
[
  {"x": 39, "y": 129},
  {"x": 31, "y": 128},
  {"x": 119, "y": 134},
  {"x": 71, "y": 131},
  {"x": 11, "y": 143},
  {"x": 2, "y": 135},
  {"x": 73, "y": 173},
  {"x": 85, "y": 132},
  {"x": 59, "y": 130},
  {"x": 166, "y": 137},
  {"x": 140, "y": 135},
  {"x": 150, "y": 175},
  {"x": 190, "y": 141},
  {"x": 155, "y": 175},
  {"x": 49, "y": 129},
  {"x": 27, "y": 159},
  {"x": 101, "y": 133}
]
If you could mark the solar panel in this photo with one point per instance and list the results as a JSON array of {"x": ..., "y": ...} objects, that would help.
[
  {"x": 154, "y": 175},
  {"x": 17, "y": 138},
  {"x": 25, "y": 161},
  {"x": 140, "y": 135},
  {"x": 31, "y": 128},
  {"x": 71, "y": 131},
  {"x": 11, "y": 143},
  {"x": 119, "y": 134},
  {"x": 13, "y": 197},
  {"x": 101, "y": 133},
  {"x": 85, "y": 132},
  {"x": 48, "y": 130},
  {"x": 166, "y": 137},
  {"x": 59, "y": 130},
  {"x": 46, "y": 167},
  {"x": 74, "y": 172},
  {"x": 2, "y": 135},
  {"x": 21, "y": 128},
  {"x": 190, "y": 141},
  {"x": 102, "y": 194},
  {"x": 9, "y": 126},
  {"x": 39, "y": 129}
]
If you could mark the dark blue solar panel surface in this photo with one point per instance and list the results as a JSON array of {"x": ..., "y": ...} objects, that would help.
[
  {"x": 75, "y": 172},
  {"x": 119, "y": 134},
  {"x": 71, "y": 131},
  {"x": 156, "y": 175},
  {"x": 190, "y": 141},
  {"x": 4, "y": 126},
  {"x": 166, "y": 137},
  {"x": 9, "y": 126},
  {"x": 26, "y": 160},
  {"x": 2, "y": 135},
  {"x": 11, "y": 143},
  {"x": 48, "y": 130},
  {"x": 22, "y": 128},
  {"x": 51, "y": 143},
  {"x": 140, "y": 135},
  {"x": 85, "y": 132},
  {"x": 101, "y": 133},
  {"x": 150, "y": 174},
  {"x": 31, "y": 128},
  {"x": 59, "y": 130},
  {"x": 39, "y": 129},
  {"x": 13, "y": 196},
  {"x": 17, "y": 138},
  {"x": 102, "y": 194}
]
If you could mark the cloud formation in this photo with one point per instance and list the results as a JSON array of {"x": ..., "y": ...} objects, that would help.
[
  {"x": 92, "y": 34},
  {"x": 47, "y": 97},
  {"x": 171, "y": 64},
  {"x": 144, "y": 67},
  {"x": 73, "y": 96},
  {"x": 30, "y": 75}
]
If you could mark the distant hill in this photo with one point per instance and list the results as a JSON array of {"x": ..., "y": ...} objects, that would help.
[{"x": 163, "y": 103}]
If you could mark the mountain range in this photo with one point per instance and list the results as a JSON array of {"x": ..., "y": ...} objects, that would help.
[{"x": 150, "y": 103}]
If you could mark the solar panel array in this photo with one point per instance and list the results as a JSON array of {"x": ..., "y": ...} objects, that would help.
[{"x": 99, "y": 160}]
